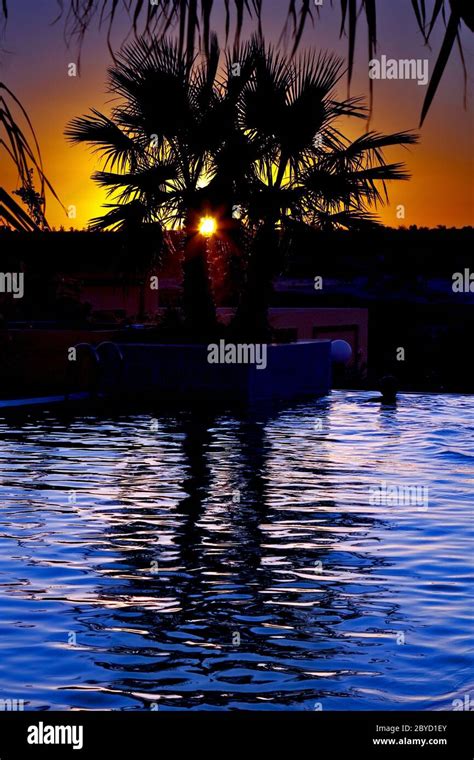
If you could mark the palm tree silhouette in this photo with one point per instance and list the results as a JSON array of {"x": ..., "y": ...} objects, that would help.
[
  {"x": 307, "y": 173},
  {"x": 263, "y": 138},
  {"x": 159, "y": 141}
]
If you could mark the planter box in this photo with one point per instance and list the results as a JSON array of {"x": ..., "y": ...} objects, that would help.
[{"x": 183, "y": 373}]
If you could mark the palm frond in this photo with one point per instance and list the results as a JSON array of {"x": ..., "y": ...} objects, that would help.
[
  {"x": 146, "y": 180},
  {"x": 191, "y": 17},
  {"x": 105, "y": 137},
  {"x": 461, "y": 11},
  {"x": 22, "y": 145},
  {"x": 450, "y": 37},
  {"x": 348, "y": 219},
  {"x": 121, "y": 217},
  {"x": 369, "y": 146}
]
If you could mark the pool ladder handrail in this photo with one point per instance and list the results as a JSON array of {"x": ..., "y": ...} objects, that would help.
[
  {"x": 118, "y": 351},
  {"x": 114, "y": 345},
  {"x": 91, "y": 349},
  {"x": 98, "y": 357}
]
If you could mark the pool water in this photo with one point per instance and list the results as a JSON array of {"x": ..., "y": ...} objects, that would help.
[{"x": 319, "y": 557}]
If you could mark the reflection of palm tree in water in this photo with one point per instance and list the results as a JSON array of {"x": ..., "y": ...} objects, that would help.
[
  {"x": 179, "y": 572},
  {"x": 252, "y": 507},
  {"x": 213, "y": 572},
  {"x": 239, "y": 576},
  {"x": 190, "y": 577},
  {"x": 197, "y": 439},
  {"x": 235, "y": 560},
  {"x": 219, "y": 540},
  {"x": 238, "y": 558}
]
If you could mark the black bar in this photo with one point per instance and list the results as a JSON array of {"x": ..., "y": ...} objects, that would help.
[{"x": 118, "y": 734}]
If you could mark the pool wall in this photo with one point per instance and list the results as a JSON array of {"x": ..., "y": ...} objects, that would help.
[{"x": 294, "y": 370}]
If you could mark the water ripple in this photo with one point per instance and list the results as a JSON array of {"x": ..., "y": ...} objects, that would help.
[{"x": 217, "y": 561}]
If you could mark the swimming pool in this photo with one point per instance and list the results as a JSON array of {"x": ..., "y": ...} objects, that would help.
[{"x": 316, "y": 558}]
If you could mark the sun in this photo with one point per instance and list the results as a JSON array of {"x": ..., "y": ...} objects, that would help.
[{"x": 207, "y": 226}]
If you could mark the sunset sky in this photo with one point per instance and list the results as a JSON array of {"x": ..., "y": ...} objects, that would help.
[{"x": 34, "y": 62}]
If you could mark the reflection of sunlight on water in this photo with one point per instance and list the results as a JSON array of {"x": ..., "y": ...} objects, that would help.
[{"x": 159, "y": 540}]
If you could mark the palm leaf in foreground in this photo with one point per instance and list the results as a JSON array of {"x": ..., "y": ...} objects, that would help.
[
  {"x": 193, "y": 18},
  {"x": 22, "y": 149},
  {"x": 461, "y": 11},
  {"x": 14, "y": 216}
]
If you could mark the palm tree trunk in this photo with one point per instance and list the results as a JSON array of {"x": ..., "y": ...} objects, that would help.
[
  {"x": 198, "y": 302},
  {"x": 251, "y": 320}
]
